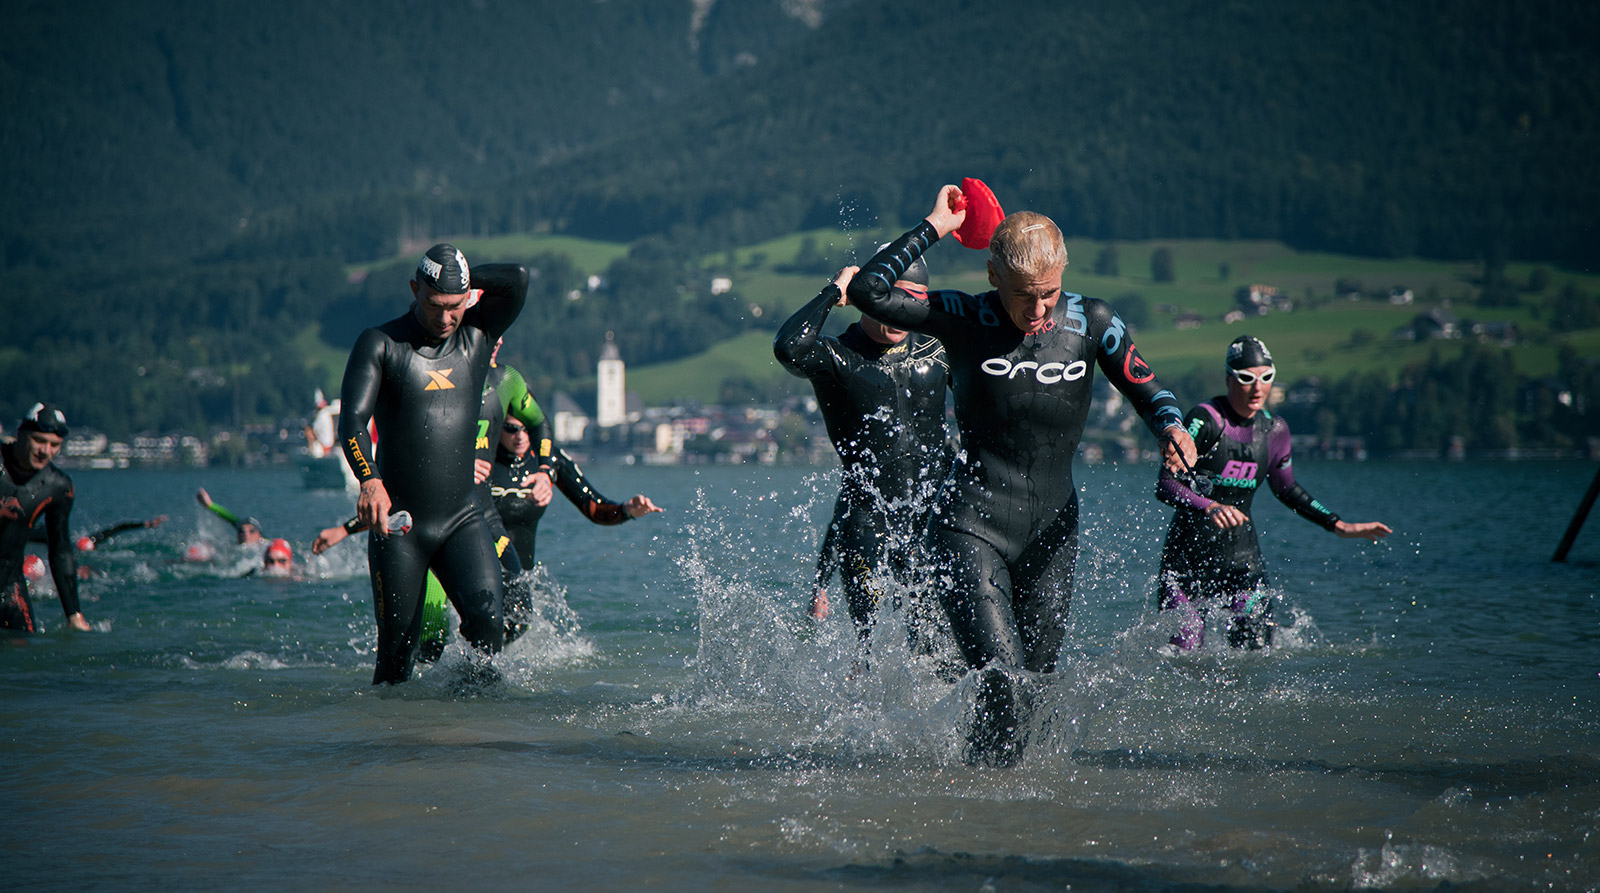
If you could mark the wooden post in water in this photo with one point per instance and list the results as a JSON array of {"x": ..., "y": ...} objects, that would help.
[{"x": 1577, "y": 519}]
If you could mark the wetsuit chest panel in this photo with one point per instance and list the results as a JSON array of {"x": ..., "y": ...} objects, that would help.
[
  {"x": 1238, "y": 463},
  {"x": 1021, "y": 399},
  {"x": 884, "y": 409},
  {"x": 427, "y": 429},
  {"x": 21, "y": 505}
]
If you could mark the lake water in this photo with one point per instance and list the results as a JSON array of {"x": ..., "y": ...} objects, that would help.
[{"x": 1430, "y": 717}]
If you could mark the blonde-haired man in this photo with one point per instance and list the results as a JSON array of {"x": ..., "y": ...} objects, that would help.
[{"x": 1022, "y": 359}]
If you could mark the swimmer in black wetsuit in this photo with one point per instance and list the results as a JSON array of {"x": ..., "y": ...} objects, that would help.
[
  {"x": 881, "y": 391},
  {"x": 516, "y": 466},
  {"x": 1211, "y": 556},
  {"x": 421, "y": 376},
  {"x": 1022, "y": 359},
  {"x": 32, "y": 486}
]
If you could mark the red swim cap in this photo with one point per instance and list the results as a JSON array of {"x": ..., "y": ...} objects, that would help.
[
  {"x": 280, "y": 547},
  {"x": 85, "y": 544},
  {"x": 983, "y": 214},
  {"x": 33, "y": 567}
]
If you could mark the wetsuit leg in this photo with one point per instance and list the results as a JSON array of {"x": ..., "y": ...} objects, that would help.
[
  {"x": 1250, "y": 624},
  {"x": 16, "y": 613},
  {"x": 860, "y": 546},
  {"x": 469, "y": 570},
  {"x": 1192, "y": 621},
  {"x": 518, "y": 609},
  {"x": 1042, "y": 590},
  {"x": 399, "y": 579},
  {"x": 977, "y": 600}
]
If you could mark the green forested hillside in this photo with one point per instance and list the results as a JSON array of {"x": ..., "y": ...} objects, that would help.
[{"x": 188, "y": 185}]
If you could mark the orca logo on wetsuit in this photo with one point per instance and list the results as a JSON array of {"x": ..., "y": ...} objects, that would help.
[
  {"x": 1047, "y": 373},
  {"x": 440, "y": 380}
]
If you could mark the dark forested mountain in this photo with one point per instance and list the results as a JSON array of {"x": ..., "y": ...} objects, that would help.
[{"x": 182, "y": 180}]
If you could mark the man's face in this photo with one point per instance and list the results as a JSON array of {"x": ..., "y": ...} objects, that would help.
[
  {"x": 39, "y": 449},
  {"x": 1028, "y": 299},
  {"x": 439, "y": 314},
  {"x": 249, "y": 533},
  {"x": 1249, "y": 397}
]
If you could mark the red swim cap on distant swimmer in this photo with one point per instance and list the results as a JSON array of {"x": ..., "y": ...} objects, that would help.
[
  {"x": 983, "y": 213},
  {"x": 85, "y": 544},
  {"x": 33, "y": 567}
]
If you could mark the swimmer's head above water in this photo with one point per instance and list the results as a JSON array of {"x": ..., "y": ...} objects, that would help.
[
  {"x": 1026, "y": 258},
  {"x": 441, "y": 289}
]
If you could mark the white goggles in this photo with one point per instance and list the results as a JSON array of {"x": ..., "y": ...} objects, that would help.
[{"x": 1247, "y": 378}]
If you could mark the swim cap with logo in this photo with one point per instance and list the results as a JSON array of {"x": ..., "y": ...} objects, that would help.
[
  {"x": 444, "y": 269},
  {"x": 45, "y": 418},
  {"x": 1247, "y": 351}
]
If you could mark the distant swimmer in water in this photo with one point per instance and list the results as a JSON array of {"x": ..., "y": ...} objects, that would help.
[
  {"x": 1004, "y": 536},
  {"x": 1212, "y": 560},
  {"x": 421, "y": 377},
  {"x": 881, "y": 391},
  {"x": 248, "y": 530},
  {"x": 32, "y": 487}
]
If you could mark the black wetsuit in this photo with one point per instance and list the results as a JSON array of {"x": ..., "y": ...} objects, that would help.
[
  {"x": 1201, "y": 561},
  {"x": 25, "y": 497},
  {"x": 504, "y": 392},
  {"x": 426, "y": 397},
  {"x": 883, "y": 406},
  {"x": 1005, "y": 530},
  {"x": 521, "y": 514}
]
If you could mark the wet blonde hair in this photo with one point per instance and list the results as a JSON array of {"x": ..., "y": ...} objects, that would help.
[{"x": 1027, "y": 243}]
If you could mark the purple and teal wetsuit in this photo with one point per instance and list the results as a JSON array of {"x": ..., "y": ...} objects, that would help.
[{"x": 1202, "y": 562}]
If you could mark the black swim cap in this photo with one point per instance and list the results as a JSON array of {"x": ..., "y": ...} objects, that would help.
[
  {"x": 45, "y": 418},
  {"x": 1246, "y": 351},
  {"x": 444, "y": 269},
  {"x": 917, "y": 272}
]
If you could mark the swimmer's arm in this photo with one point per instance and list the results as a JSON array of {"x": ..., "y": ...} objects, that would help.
[
  {"x": 505, "y": 290},
  {"x": 1119, "y": 359},
  {"x": 221, "y": 511},
  {"x": 1280, "y": 477},
  {"x": 796, "y": 346},
  {"x": 1175, "y": 491},
  {"x": 100, "y": 536},
  {"x": 872, "y": 290},
  {"x": 63, "y": 563},
  {"x": 584, "y": 496},
  {"x": 827, "y": 562},
  {"x": 329, "y": 537},
  {"x": 358, "y": 395}
]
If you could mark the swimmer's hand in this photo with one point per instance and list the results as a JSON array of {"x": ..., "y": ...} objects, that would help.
[
  {"x": 1372, "y": 530},
  {"x": 77, "y": 622},
  {"x": 542, "y": 489},
  {"x": 203, "y": 497},
  {"x": 842, "y": 280},
  {"x": 639, "y": 506},
  {"x": 1177, "y": 449},
  {"x": 945, "y": 218},
  {"x": 819, "y": 605},
  {"x": 1226, "y": 516},
  {"x": 157, "y": 521},
  {"x": 480, "y": 470},
  {"x": 373, "y": 506},
  {"x": 327, "y": 538}
]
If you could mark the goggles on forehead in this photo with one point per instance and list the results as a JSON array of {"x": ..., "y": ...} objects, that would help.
[{"x": 1246, "y": 377}]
